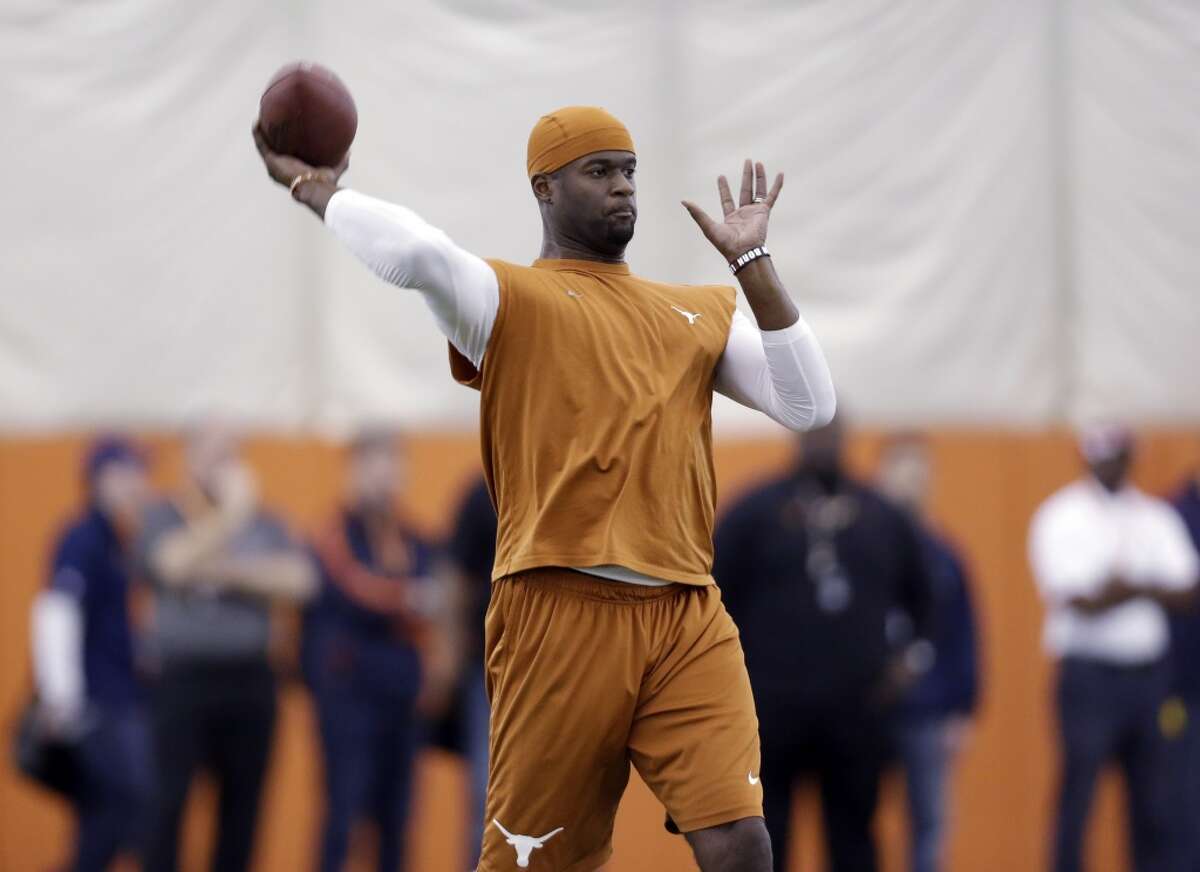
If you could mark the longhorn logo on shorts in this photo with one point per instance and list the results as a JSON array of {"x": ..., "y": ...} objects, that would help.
[{"x": 525, "y": 845}]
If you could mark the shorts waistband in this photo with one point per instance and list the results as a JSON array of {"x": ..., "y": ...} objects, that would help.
[{"x": 570, "y": 582}]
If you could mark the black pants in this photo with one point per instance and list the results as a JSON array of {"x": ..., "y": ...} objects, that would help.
[
  {"x": 1110, "y": 714},
  {"x": 220, "y": 718},
  {"x": 114, "y": 789},
  {"x": 1183, "y": 756},
  {"x": 844, "y": 748},
  {"x": 370, "y": 747}
]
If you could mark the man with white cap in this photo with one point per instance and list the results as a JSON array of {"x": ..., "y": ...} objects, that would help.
[{"x": 1110, "y": 561}]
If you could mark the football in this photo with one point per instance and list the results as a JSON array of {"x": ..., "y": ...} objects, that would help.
[{"x": 307, "y": 112}]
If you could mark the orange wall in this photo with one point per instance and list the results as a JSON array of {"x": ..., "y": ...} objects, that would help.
[{"x": 987, "y": 487}]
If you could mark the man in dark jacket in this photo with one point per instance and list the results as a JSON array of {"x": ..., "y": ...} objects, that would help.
[
  {"x": 368, "y": 638},
  {"x": 472, "y": 549},
  {"x": 827, "y": 583}
]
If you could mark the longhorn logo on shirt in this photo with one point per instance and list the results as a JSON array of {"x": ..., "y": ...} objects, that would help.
[
  {"x": 691, "y": 316},
  {"x": 525, "y": 845}
]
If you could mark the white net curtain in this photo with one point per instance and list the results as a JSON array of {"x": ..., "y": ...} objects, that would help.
[{"x": 992, "y": 213}]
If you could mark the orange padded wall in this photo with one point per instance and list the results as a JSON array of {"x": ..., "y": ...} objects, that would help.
[{"x": 987, "y": 486}]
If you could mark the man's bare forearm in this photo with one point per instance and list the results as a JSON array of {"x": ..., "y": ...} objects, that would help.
[
  {"x": 768, "y": 298},
  {"x": 1118, "y": 592},
  {"x": 312, "y": 186},
  {"x": 1109, "y": 598},
  {"x": 744, "y": 229},
  {"x": 276, "y": 576},
  {"x": 316, "y": 194},
  {"x": 182, "y": 551}
]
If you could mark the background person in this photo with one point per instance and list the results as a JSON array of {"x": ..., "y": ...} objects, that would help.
[
  {"x": 1180, "y": 718},
  {"x": 83, "y": 657},
  {"x": 827, "y": 583},
  {"x": 934, "y": 717},
  {"x": 1110, "y": 561},
  {"x": 472, "y": 551},
  {"x": 217, "y": 563},
  {"x": 377, "y": 606}
]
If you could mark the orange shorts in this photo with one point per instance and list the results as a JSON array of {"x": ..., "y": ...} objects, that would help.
[{"x": 586, "y": 676}]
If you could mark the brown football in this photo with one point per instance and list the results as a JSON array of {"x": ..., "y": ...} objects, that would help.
[{"x": 308, "y": 113}]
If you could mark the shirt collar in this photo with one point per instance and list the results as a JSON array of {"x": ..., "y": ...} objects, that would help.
[
  {"x": 1100, "y": 492},
  {"x": 592, "y": 266}
]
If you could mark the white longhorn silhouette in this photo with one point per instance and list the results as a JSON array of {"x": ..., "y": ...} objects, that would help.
[
  {"x": 525, "y": 845},
  {"x": 691, "y": 316}
]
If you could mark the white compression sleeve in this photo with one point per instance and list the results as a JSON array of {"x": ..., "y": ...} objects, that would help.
[
  {"x": 781, "y": 373},
  {"x": 58, "y": 650},
  {"x": 401, "y": 248}
]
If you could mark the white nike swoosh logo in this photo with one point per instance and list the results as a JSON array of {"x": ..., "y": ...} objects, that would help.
[{"x": 750, "y": 777}]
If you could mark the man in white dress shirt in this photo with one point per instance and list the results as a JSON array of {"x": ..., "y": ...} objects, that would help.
[{"x": 1110, "y": 561}]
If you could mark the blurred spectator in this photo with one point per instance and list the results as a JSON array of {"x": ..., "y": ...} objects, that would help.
[
  {"x": 83, "y": 658},
  {"x": 1109, "y": 561},
  {"x": 217, "y": 563},
  {"x": 362, "y": 635},
  {"x": 935, "y": 716},
  {"x": 827, "y": 584},
  {"x": 473, "y": 550},
  {"x": 1181, "y": 714}
]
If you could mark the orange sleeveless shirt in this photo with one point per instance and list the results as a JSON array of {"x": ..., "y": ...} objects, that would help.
[{"x": 596, "y": 418}]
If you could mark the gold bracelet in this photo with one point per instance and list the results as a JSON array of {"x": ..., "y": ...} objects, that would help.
[{"x": 309, "y": 176}]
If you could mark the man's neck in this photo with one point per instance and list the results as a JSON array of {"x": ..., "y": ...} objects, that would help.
[
  {"x": 829, "y": 479},
  {"x": 119, "y": 524},
  {"x": 374, "y": 514},
  {"x": 1110, "y": 488},
  {"x": 563, "y": 249}
]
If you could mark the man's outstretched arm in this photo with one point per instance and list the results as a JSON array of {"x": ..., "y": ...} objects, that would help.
[
  {"x": 779, "y": 368},
  {"x": 399, "y": 247}
]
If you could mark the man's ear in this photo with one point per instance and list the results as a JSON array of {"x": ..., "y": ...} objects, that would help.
[{"x": 542, "y": 188}]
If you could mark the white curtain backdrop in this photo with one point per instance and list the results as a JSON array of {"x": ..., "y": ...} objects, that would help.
[
  {"x": 1134, "y": 138},
  {"x": 991, "y": 213}
]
